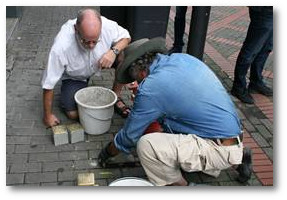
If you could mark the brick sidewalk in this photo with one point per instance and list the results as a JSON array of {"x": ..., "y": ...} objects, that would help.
[
  {"x": 226, "y": 32},
  {"x": 32, "y": 158}
]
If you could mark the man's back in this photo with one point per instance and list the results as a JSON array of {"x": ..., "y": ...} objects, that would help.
[{"x": 191, "y": 97}]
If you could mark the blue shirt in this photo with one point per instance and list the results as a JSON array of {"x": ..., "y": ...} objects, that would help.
[{"x": 187, "y": 94}]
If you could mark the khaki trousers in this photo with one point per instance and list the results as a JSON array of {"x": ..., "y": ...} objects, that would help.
[{"x": 162, "y": 155}]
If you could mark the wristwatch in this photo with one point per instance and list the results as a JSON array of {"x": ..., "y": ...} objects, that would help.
[{"x": 115, "y": 50}]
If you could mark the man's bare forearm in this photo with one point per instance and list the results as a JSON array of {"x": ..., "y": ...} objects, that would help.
[
  {"x": 122, "y": 44},
  {"x": 48, "y": 96}
]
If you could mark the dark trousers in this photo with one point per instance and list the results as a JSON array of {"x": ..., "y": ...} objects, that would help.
[
  {"x": 179, "y": 26},
  {"x": 68, "y": 90},
  {"x": 256, "y": 48}
]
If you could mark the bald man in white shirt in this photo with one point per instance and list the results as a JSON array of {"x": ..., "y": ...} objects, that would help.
[{"x": 82, "y": 48}]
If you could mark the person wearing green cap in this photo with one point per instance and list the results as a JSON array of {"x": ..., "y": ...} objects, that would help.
[{"x": 201, "y": 129}]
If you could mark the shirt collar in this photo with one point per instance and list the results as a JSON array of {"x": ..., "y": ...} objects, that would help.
[{"x": 154, "y": 64}]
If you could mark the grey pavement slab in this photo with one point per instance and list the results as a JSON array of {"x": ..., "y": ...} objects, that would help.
[
  {"x": 61, "y": 135},
  {"x": 11, "y": 24}
]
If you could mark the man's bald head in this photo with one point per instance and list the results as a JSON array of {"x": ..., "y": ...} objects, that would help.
[
  {"x": 89, "y": 25},
  {"x": 88, "y": 13}
]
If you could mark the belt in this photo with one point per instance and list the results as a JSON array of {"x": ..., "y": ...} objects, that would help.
[{"x": 228, "y": 141}]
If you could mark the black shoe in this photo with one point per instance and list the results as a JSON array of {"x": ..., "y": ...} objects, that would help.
[
  {"x": 175, "y": 50},
  {"x": 262, "y": 89},
  {"x": 243, "y": 96},
  {"x": 245, "y": 168}
]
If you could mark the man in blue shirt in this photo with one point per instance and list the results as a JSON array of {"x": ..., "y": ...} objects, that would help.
[{"x": 201, "y": 127}]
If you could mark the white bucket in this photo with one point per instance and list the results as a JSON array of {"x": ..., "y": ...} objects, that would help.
[
  {"x": 96, "y": 108},
  {"x": 131, "y": 181}
]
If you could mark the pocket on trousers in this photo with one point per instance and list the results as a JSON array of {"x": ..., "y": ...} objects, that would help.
[
  {"x": 235, "y": 156},
  {"x": 190, "y": 158}
]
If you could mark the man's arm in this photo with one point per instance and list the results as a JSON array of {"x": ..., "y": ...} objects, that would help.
[
  {"x": 122, "y": 44},
  {"x": 109, "y": 57},
  {"x": 144, "y": 112},
  {"x": 49, "y": 118}
]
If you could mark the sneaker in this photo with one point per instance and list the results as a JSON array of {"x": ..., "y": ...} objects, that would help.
[
  {"x": 262, "y": 89},
  {"x": 243, "y": 96},
  {"x": 245, "y": 168}
]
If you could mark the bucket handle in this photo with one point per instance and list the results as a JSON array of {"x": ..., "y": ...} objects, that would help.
[{"x": 97, "y": 118}]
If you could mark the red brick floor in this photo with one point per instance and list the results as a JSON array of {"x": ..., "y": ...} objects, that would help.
[{"x": 263, "y": 166}]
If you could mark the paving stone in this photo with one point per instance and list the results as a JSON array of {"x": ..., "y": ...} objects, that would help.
[
  {"x": 75, "y": 155},
  {"x": 41, "y": 177},
  {"x": 101, "y": 182},
  {"x": 62, "y": 148},
  {"x": 269, "y": 152},
  {"x": 86, "y": 164},
  {"x": 107, "y": 173},
  {"x": 43, "y": 157},
  {"x": 16, "y": 158},
  {"x": 12, "y": 179},
  {"x": 67, "y": 176},
  {"x": 254, "y": 181},
  {"x": 10, "y": 148},
  {"x": 101, "y": 137},
  {"x": 86, "y": 179},
  {"x": 268, "y": 124},
  {"x": 45, "y": 139},
  {"x": 58, "y": 166},
  {"x": 10, "y": 63},
  {"x": 28, "y": 124},
  {"x": 240, "y": 114},
  {"x": 30, "y": 185},
  {"x": 248, "y": 126},
  {"x": 228, "y": 83},
  {"x": 133, "y": 172},
  {"x": 88, "y": 145},
  {"x": 261, "y": 141},
  {"x": 263, "y": 131},
  {"x": 254, "y": 120},
  {"x": 230, "y": 183},
  {"x": 18, "y": 139},
  {"x": 76, "y": 132},
  {"x": 60, "y": 135},
  {"x": 25, "y": 167},
  {"x": 29, "y": 148},
  {"x": 94, "y": 154},
  {"x": 24, "y": 131},
  {"x": 60, "y": 183}
]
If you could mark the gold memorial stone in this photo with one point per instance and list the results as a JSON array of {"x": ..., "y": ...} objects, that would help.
[{"x": 86, "y": 179}]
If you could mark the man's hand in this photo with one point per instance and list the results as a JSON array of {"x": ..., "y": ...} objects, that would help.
[
  {"x": 107, "y": 152},
  {"x": 51, "y": 120},
  {"x": 133, "y": 87},
  {"x": 107, "y": 59}
]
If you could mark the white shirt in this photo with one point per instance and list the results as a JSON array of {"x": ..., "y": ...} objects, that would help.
[{"x": 67, "y": 59}]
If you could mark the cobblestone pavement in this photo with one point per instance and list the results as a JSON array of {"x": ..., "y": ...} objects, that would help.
[{"x": 33, "y": 159}]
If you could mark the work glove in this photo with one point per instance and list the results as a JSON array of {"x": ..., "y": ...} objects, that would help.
[{"x": 104, "y": 155}]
